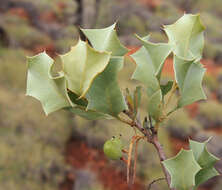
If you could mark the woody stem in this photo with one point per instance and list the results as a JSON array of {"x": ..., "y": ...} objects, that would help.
[{"x": 152, "y": 137}]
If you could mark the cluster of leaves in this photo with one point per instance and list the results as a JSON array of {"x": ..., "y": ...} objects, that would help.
[{"x": 88, "y": 86}]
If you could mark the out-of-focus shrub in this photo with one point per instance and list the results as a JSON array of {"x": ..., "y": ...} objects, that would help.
[
  {"x": 13, "y": 68},
  {"x": 210, "y": 82},
  {"x": 22, "y": 34},
  {"x": 181, "y": 126},
  {"x": 31, "y": 144},
  {"x": 210, "y": 113},
  {"x": 71, "y": 36}
]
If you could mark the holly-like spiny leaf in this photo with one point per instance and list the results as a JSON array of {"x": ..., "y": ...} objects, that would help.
[
  {"x": 157, "y": 53},
  {"x": 183, "y": 169},
  {"x": 81, "y": 65},
  {"x": 189, "y": 76},
  {"x": 186, "y": 37},
  {"x": 204, "y": 175},
  {"x": 150, "y": 59},
  {"x": 106, "y": 39},
  {"x": 145, "y": 71},
  {"x": 205, "y": 159},
  {"x": 50, "y": 91},
  {"x": 105, "y": 95}
]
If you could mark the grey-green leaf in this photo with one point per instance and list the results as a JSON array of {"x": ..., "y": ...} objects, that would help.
[
  {"x": 145, "y": 71},
  {"x": 156, "y": 53},
  {"x": 150, "y": 59},
  {"x": 105, "y": 95},
  {"x": 50, "y": 91},
  {"x": 204, "y": 175},
  {"x": 81, "y": 65},
  {"x": 189, "y": 76},
  {"x": 201, "y": 154},
  {"x": 206, "y": 160},
  {"x": 186, "y": 36},
  {"x": 183, "y": 169},
  {"x": 106, "y": 39}
]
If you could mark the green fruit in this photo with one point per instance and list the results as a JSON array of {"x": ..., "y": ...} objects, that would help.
[{"x": 113, "y": 148}]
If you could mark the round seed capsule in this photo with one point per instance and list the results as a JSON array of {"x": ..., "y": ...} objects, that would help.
[{"x": 113, "y": 148}]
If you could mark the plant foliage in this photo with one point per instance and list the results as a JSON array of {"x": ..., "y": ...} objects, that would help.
[{"x": 88, "y": 86}]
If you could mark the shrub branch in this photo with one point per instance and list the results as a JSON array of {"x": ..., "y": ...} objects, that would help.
[{"x": 151, "y": 137}]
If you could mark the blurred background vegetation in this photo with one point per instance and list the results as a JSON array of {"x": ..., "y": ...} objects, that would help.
[{"x": 63, "y": 151}]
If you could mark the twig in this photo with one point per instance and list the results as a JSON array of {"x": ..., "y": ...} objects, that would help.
[
  {"x": 137, "y": 124},
  {"x": 154, "y": 181},
  {"x": 134, "y": 138},
  {"x": 135, "y": 160},
  {"x": 162, "y": 157},
  {"x": 152, "y": 138},
  {"x": 154, "y": 130}
]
